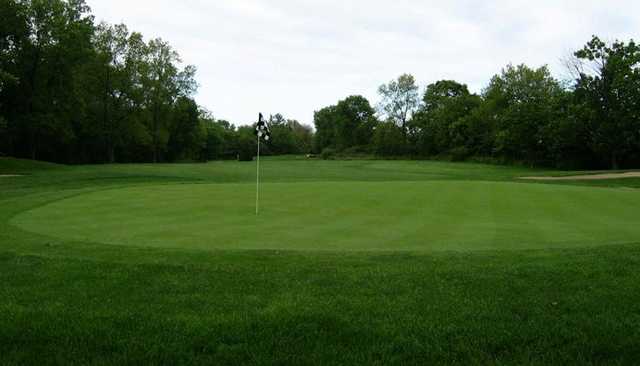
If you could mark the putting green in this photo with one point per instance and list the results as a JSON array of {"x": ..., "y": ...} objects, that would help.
[{"x": 442, "y": 215}]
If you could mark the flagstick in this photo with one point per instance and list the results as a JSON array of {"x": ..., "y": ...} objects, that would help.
[{"x": 258, "y": 180}]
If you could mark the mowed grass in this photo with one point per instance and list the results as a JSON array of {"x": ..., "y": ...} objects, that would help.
[
  {"x": 358, "y": 262},
  {"x": 441, "y": 215}
]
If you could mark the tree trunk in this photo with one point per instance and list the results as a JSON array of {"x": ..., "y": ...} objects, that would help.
[
  {"x": 30, "y": 108},
  {"x": 156, "y": 113},
  {"x": 112, "y": 154},
  {"x": 105, "y": 115},
  {"x": 155, "y": 144},
  {"x": 33, "y": 148},
  {"x": 10, "y": 145},
  {"x": 614, "y": 161}
]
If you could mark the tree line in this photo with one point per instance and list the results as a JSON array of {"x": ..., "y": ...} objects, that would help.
[
  {"x": 524, "y": 115},
  {"x": 76, "y": 91}
]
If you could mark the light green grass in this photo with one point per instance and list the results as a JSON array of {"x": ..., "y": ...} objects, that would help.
[
  {"x": 351, "y": 263},
  {"x": 442, "y": 215}
]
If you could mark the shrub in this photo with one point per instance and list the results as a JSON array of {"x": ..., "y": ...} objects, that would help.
[
  {"x": 460, "y": 153},
  {"x": 328, "y": 153},
  {"x": 245, "y": 155}
]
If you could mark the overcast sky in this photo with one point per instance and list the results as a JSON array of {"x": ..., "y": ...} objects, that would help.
[{"x": 297, "y": 56}]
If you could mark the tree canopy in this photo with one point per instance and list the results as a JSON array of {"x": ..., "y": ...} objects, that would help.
[
  {"x": 74, "y": 91},
  {"x": 399, "y": 100},
  {"x": 524, "y": 115}
]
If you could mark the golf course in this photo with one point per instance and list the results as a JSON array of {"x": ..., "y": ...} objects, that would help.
[
  {"x": 253, "y": 182},
  {"x": 348, "y": 262}
]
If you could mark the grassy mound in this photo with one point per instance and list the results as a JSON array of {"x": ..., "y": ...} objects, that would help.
[{"x": 22, "y": 166}]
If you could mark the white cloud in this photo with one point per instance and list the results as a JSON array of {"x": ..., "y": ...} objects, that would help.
[{"x": 297, "y": 56}]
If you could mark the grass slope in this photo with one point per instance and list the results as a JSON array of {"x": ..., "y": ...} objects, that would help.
[
  {"x": 66, "y": 300},
  {"x": 20, "y": 166}
]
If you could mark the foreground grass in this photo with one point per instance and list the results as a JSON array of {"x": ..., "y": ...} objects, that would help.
[
  {"x": 81, "y": 302},
  {"x": 291, "y": 308}
]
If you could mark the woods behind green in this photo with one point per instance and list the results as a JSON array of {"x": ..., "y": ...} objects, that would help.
[{"x": 74, "y": 91}]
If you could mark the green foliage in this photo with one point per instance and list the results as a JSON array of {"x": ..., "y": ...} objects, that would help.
[
  {"x": 459, "y": 153},
  {"x": 399, "y": 100},
  {"x": 389, "y": 140},
  {"x": 110, "y": 78},
  {"x": 328, "y": 153},
  {"x": 349, "y": 123},
  {"x": 74, "y": 91},
  {"x": 608, "y": 90},
  {"x": 324, "y": 121},
  {"x": 525, "y": 102},
  {"x": 219, "y": 139},
  {"x": 246, "y": 143},
  {"x": 355, "y": 122},
  {"x": 43, "y": 54},
  {"x": 13, "y": 31},
  {"x": 187, "y": 137},
  {"x": 523, "y": 115},
  {"x": 303, "y": 137},
  {"x": 4, "y": 133},
  {"x": 440, "y": 124},
  {"x": 288, "y": 137}
]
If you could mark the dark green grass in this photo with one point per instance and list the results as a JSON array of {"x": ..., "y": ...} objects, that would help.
[{"x": 70, "y": 301}]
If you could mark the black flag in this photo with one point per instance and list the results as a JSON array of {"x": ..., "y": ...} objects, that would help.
[{"x": 262, "y": 129}]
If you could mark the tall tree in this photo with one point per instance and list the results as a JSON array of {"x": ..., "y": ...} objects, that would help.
[
  {"x": 74, "y": 92},
  {"x": 303, "y": 136},
  {"x": 355, "y": 122},
  {"x": 111, "y": 42},
  {"x": 525, "y": 101},
  {"x": 288, "y": 136},
  {"x": 439, "y": 125},
  {"x": 13, "y": 35},
  {"x": 348, "y": 124},
  {"x": 608, "y": 87},
  {"x": 388, "y": 140},
  {"x": 164, "y": 83},
  {"x": 187, "y": 137},
  {"x": 400, "y": 100},
  {"x": 57, "y": 43},
  {"x": 282, "y": 137},
  {"x": 324, "y": 121}
]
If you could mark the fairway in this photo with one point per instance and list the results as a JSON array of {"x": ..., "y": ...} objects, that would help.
[
  {"x": 443, "y": 215},
  {"x": 349, "y": 263}
]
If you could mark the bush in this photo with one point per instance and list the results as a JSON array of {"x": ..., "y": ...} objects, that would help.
[
  {"x": 328, "y": 153},
  {"x": 245, "y": 156},
  {"x": 459, "y": 153},
  {"x": 389, "y": 140},
  {"x": 357, "y": 150}
]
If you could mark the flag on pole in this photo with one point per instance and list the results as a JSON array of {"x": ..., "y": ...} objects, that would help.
[
  {"x": 262, "y": 129},
  {"x": 263, "y": 133}
]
